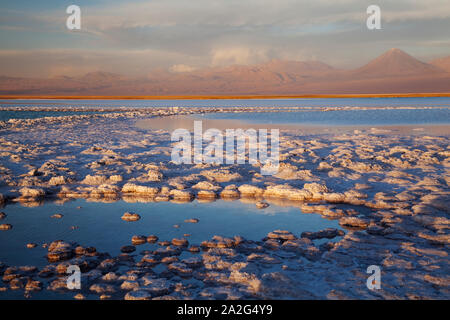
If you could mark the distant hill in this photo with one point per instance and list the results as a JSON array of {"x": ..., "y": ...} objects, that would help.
[
  {"x": 396, "y": 62},
  {"x": 442, "y": 63},
  {"x": 393, "y": 72}
]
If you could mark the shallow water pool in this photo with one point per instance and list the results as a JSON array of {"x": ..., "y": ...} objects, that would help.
[
  {"x": 99, "y": 224},
  {"x": 343, "y": 117}
]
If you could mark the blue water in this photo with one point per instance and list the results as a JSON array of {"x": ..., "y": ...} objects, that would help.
[
  {"x": 343, "y": 117},
  {"x": 6, "y": 115},
  {"x": 327, "y": 102},
  {"x": 434, "y": 110},
  {"x": 100, "y": 225}
]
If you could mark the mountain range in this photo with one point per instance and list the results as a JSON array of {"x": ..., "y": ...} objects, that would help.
[{"x": 393, "y": 72}]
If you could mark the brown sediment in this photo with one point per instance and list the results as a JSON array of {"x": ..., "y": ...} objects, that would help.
[{"x": 225, "y": 97}]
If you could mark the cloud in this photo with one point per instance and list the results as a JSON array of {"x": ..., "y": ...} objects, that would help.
[
  {"x": 180, "y": 68},
  {"x": 76, "y": 62},
  {"x": 137, "y": 36},
  {"x": 238, "y": 55},
  {"x": 256, "y": 12}
]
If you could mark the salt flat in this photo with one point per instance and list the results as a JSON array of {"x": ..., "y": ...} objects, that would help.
[{"x": 387, "y": 188}]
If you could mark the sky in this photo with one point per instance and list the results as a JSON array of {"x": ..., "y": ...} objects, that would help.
[{"x": 136, "y": 37}]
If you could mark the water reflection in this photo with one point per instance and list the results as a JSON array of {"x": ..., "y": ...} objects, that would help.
[{"x": 98, "y": 223}]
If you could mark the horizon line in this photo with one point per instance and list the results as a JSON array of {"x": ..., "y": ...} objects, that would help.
[{"x": 222, "y": 97}]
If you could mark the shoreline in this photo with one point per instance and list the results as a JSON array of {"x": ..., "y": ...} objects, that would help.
[{"x": 225, "y": 97}]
